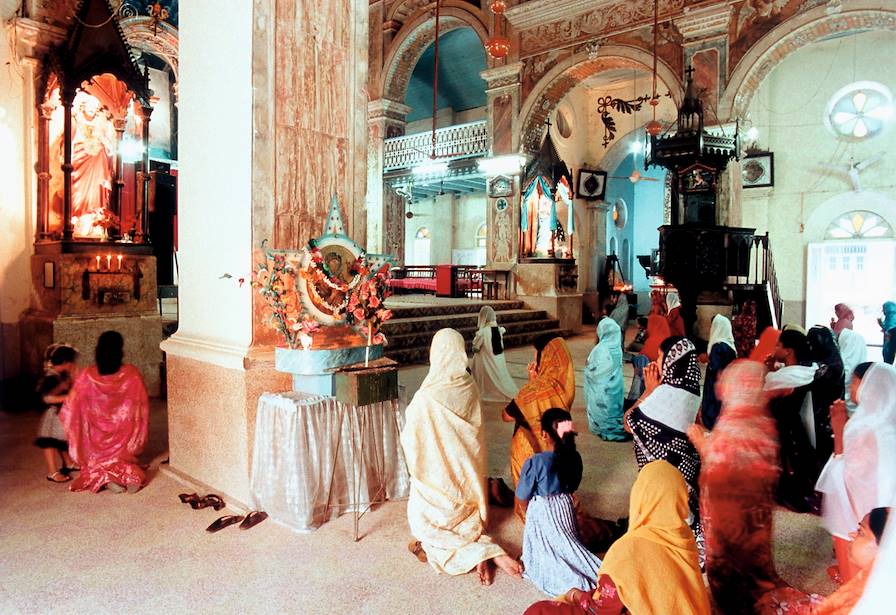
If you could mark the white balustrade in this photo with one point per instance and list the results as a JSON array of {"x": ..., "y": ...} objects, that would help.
[{"x": 452, "y": 143}]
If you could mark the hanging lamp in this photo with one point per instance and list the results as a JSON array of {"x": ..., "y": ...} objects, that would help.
[{"x": 498, "y": 45}]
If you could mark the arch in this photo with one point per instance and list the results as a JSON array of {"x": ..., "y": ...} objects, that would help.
[
  {"x": 160, "y": 40},
  {"x": 414, "y": 38},
  {"x": 794, "y": 33},
  {"x": 569, "y": 73},
  {"x": 876, "y": 202}
]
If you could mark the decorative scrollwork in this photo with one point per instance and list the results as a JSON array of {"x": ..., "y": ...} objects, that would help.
[
  {"x": 629, "y": 107},
  {"x": 128, "y": 10}
]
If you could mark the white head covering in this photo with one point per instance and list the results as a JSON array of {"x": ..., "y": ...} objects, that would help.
[
  {"x": 448, "y": 381},
  {"x": 869, "y": 442},
  {"x": 853, "y": 350},
  {"x": 672, "y": 301},
  {"x": 487, "y": 317},
  {"x": 720, "y": 331}
]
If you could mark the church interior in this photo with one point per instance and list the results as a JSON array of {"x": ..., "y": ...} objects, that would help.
[{"x": 277, "y": 205}]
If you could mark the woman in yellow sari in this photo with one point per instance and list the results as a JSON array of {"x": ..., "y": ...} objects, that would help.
[{"x": 552, "y": 384}]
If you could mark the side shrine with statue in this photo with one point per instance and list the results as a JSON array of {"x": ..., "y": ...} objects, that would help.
[
  {"x": 93, "y": 267},
  {"x": 340, "y": 444},
  {"x": 547, "y": 273}
]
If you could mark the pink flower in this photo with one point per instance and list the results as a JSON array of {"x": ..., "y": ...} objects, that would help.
[
  {"x": 358, "y": 313},
  {"x": 374, "y": 301}
]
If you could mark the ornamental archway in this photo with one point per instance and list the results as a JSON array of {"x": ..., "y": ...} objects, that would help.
[
  {"x": 793, "y": 34},
  {"x": 566, "y": 75}
]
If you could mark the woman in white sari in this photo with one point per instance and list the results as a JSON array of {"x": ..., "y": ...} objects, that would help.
[
  {"x": 488, "y": 364},
  {"x": 446, "y": 457}
]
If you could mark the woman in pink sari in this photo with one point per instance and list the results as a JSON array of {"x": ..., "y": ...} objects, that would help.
[{"x": 106, "y": 418}]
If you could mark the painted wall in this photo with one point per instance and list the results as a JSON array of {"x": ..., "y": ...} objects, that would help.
[
  {"x": 788, "y": 110},
  {"x": 16, "y": 216}
]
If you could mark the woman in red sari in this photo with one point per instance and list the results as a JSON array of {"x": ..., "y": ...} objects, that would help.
[{"x": 106, "y": 418}]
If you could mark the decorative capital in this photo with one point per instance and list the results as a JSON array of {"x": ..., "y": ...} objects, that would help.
[
  {"x": 537, "y": 12},
  {"x": 35, "y": 38},
  {"x": 386, "y": 109},
  {"x": 704, "y": 22},
  {"x": 502, "y": 77}
]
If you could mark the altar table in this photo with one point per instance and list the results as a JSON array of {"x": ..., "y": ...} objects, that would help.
[{"x": 316, "y": 458}]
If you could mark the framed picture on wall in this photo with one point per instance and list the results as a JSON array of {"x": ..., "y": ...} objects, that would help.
[
  {"x": 758, "y": 170},
  {"x": 591, "y": 184}
]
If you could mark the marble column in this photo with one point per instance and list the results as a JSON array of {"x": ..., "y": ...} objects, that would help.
[
  {"x": 67, "y": 227},
  {"x": 143, "y": 180},
  {"x": 42, "y": 167},
  {"x": 385, "y": 119},
  {"x": 288, "y": 129},
  {"x": 503, "y": 107}
]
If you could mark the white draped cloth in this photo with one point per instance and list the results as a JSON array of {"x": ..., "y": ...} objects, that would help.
[
  {"x": 792, "y": 377},
  {"x": 864, "y": 477},
  {"x": 720, "y": 331},
  {"x": 446, "y": 458},
  {"x": 853, "y": 351},
  {"x": 671, "y": 406},
  {"x": 490, "y": 370}
]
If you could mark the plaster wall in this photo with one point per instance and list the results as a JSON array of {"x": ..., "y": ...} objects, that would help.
[
  {"x": 16, "y": 210},
  {"x": 452, "y": 222},
  {"x": 215, "y": 196},
  {"x": 446, "y": 117},
  {"x": 788, "y": 109}
]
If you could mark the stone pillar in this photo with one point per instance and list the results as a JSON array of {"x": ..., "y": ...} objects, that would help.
[
  {"x": 503, "y": 108},
  {"x": 143, "y": 181},
  {"x": 67, "y": 227},
  {"x": 293, "y": 103},
  {"x": 385, "y": 119},
  {"x": 118, "y": 173},
  {"x": 42, "y": 167},
  {"x": 593, "y": 235}
]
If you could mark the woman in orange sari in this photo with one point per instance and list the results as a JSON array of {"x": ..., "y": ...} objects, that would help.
[
  {"x": 552, "y": 384},
  {"x": 657, "y": 332}
]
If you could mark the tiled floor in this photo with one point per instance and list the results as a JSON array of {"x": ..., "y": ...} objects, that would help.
[{"x": 148, "y": 553}]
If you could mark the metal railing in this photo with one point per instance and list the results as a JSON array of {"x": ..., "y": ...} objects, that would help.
[{"x": 452, "y": 143}]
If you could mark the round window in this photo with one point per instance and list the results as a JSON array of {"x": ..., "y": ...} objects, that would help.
[{"x": 859, "y": 111}]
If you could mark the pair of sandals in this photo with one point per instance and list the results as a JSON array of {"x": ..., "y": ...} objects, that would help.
[
  {"x": 63, "y": 474},
  {"x": 248, "y": 522},
  {"x": 196, "y": 501}
]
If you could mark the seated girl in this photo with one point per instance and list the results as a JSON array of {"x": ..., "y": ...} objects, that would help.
[{"x": 553, "y": 556}]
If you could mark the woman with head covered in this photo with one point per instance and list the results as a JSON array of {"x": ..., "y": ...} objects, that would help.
[{"x": 446, "y": 456}]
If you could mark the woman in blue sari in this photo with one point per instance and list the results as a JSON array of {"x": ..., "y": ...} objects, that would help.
[
  {"x": 603, "y": 383},
  {"x": 888, "y": 326}
]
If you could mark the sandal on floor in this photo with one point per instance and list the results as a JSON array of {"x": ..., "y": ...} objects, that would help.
[
  {"x": 187, "y": 498},
  {"x": 58, "y": 477},
  {"x": 211, "y": 499},
  {"x": 222, "y": 522},
  {"x": 252, "y": 519},
  {"x": 416, "y": 549}
]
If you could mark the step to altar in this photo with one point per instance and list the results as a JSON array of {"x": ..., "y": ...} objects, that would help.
[{"x": 411, "y": 329}]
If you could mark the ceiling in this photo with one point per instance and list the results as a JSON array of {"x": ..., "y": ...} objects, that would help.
[{"x": 461, "y": 59}]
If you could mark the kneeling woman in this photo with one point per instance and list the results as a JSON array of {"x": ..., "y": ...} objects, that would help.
[
  {"x": 653, "y": 568},
  {"x": 445, "y": 453},
  {"x": 554, "y": 557}
]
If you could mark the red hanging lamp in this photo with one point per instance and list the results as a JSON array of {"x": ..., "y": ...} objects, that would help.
[{"x": 498, "y": 45}]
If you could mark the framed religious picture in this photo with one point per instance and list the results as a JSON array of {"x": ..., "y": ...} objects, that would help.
[
  {"x": 758, "y": 170},
  {"x": 592, "y": 184},
  {"x": 500, "y": 186}
]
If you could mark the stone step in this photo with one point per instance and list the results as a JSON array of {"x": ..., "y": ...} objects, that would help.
[
  {"x": 420, "y": 354},
  {"x": 505, "y": 318},
  {"x": 423, "y": 336},
  {"x": 422, "y": 311}
]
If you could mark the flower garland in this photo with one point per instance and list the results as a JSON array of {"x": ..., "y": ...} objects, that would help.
[
  {"x": 318, "y": 272},
  {"x": 367, "y": 305}
]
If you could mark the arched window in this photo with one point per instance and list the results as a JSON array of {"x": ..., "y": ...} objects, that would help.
[
  {"x": 859, "y": 225},
  {"x": 422, "y": 233},
  {"x": 481, "y": 236},
  {"x": 859, "y": 111}
]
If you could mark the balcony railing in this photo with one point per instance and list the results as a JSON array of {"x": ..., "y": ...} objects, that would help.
[{"x": 452, "y": 143}]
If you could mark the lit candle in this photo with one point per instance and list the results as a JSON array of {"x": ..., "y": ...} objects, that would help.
[
  {"x": 108, "y": 262},
  {"x": 119, "y": 262},
  {"x": 97, "y": 262}
]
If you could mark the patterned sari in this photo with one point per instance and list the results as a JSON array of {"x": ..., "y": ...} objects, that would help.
[{"x": 553, "y": 387}]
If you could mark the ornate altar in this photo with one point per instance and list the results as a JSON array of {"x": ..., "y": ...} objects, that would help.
[
  {"x": 327, "y": 302},
  {"x": 92, "y": 267}
]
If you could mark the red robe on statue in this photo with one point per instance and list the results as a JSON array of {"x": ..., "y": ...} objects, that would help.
[{"x": 106, "y": 419}]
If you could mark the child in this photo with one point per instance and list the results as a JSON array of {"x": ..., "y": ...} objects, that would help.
[
  {"x": 59, "y": 374},
  {"x": 554, "y": 557}
]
